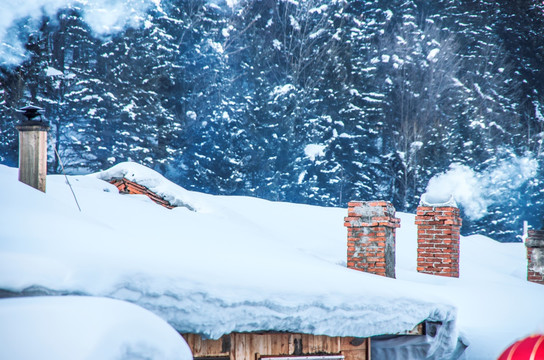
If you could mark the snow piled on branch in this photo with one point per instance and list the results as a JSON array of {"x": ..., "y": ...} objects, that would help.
[
  {"x": 474, "y": 191},
  {"x": 282, "y": 90},
  {"x": 432, "y": 55},
  {"x": 313, "y": 151}
]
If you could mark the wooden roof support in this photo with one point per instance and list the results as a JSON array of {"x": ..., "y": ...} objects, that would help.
[{"x": 126, "y": 186}]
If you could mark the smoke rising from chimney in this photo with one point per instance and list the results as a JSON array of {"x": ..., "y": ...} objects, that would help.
[
  {"x": 474, "y": 191},
  {"x": 105, "y": 17}
]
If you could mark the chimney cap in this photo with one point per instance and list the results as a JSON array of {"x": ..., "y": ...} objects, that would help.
[
  {"x": 437, "y": 201},
  {"x": 31, "y": 111}
]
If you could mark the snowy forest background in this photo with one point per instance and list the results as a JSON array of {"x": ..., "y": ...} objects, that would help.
[{"x": 314, "y": 101}]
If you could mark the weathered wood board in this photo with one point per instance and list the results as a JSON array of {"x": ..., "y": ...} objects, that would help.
[
  {"x": 251, "y": 346},
  {"x": 33, "y": 155}
]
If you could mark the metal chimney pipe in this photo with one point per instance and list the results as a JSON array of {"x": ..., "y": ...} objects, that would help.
[{"x": 33, "y": 148}]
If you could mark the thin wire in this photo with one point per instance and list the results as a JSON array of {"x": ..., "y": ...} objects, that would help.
[{"x": 66, "y": 177}]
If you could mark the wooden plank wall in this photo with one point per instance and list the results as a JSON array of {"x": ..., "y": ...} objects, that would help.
[
  {"x": 250, "y": 346},
  {"x": 208, "y": 348},
  {"x": 355, "y": 348}
]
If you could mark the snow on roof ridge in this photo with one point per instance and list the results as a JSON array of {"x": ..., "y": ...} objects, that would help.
[{"x": 175, "y": 194}]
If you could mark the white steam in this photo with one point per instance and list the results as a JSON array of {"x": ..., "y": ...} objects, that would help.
[
  {"x": 475, "y": 192},
  {"x": 105, "y": 17}
]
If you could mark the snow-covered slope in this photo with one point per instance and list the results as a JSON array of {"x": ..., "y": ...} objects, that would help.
[
  {"x": 245, "y": 264},
  {"x": 84, "y": 328}
]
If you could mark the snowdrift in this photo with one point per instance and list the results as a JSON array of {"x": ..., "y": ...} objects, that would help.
[{"x": 79, "y": 327}]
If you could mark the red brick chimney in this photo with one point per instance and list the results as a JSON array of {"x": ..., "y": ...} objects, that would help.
[
  {"x": 535, "y": 256},
  {"x": 371, "y": 237},
  {"x": 438, "y": 239}
]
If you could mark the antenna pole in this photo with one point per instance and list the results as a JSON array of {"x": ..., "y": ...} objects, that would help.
[{"x": 66, "y": 177}]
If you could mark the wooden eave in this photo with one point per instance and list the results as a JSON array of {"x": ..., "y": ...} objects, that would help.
[{"x": 126, "y": 186}]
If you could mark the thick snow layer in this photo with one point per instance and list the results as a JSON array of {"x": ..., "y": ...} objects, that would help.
[
  {"x": 245, "y": 264},
  {"x": 77, "y": 327}
]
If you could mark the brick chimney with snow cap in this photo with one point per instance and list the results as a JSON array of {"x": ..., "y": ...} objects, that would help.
[
  {"x": 535, "y": 256},
  {"x": 438, "y": 234},
  {"x": 371, "y": 237}
]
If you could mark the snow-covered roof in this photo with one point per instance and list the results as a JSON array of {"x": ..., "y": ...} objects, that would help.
[
  {"x": 175, "y": 195},
  {"x": 246, "y": 264}
]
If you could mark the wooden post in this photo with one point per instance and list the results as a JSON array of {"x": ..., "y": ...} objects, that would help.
[{"x": 33, "y": 154}]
